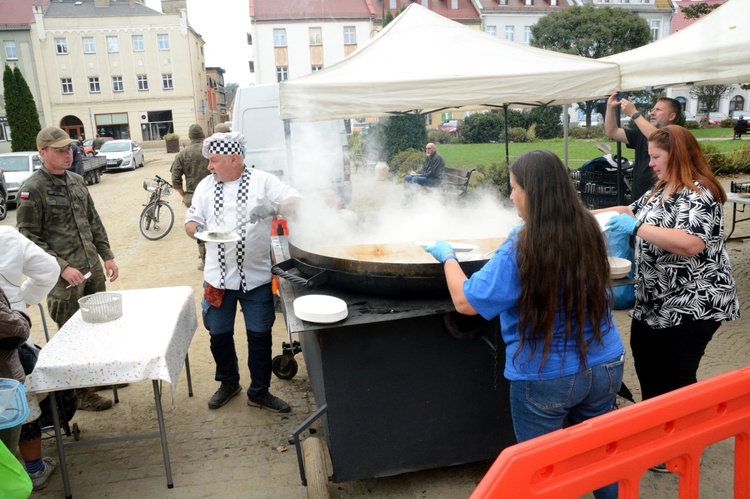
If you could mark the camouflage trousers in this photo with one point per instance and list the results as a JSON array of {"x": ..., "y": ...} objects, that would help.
[{"x": 62, "y": 301}]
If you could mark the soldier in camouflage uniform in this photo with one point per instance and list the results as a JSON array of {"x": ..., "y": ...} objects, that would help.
[
  {"x": 191, "y": 164},
  {"x": 56, "y": 212}
]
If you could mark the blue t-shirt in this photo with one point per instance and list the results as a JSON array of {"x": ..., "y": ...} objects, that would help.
[{"x": 494, "y": 291}]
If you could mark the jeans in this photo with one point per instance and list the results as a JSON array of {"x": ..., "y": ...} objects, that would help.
[
  {"x": 421, "y": 180},
  {"x": 541, "y": 407},
  {"x": 667, "y": 359},
  {"x": 259, "y": 314}
]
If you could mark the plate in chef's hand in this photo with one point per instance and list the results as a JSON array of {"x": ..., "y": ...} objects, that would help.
[
  {"x": 604, "y": 217},
  {"x": 457, "y": 247},
  {"x": 210, "y": 236}
]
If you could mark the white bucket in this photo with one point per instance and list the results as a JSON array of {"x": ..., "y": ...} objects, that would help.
[{"x": 381, "y": 170}]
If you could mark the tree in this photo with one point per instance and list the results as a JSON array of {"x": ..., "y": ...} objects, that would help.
[
  {"x": 12, "y": 101},
  {"x": 710, "y": 95},
  {"x": 481, "y": 128},
  {"x": 547, "y": 119},
  {"x": 400, "y": 133},
  {"x": 27, "y": 125},
  {"x": 591, "y": 32},
  {"x": 698, "y": 10}
]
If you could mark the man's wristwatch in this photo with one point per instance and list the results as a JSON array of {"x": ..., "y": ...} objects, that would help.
[
  {"x": 635, "y": 115},
  {"x": 637, "y": 226}
]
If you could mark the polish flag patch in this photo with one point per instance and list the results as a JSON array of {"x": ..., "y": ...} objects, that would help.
[{"x": 25, "y": 195}]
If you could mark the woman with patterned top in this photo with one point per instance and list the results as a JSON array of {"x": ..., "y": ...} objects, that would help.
[{"x": 684, "y": 287}]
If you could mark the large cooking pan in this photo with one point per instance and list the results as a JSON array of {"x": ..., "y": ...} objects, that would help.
[{"x": 381, "y": 269}]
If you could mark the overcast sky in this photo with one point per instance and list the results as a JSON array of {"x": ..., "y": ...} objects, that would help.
[{"x": 223, "y": 25}]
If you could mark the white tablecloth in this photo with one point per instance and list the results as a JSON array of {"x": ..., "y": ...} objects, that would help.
[{"x": 149, "y": 341}]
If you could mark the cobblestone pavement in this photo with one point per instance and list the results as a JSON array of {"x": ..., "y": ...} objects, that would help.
[{"x": 239, "y": 451}]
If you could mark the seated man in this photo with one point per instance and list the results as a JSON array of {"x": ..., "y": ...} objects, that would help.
[
  {"x": 740, "y": 127},
  {"x": 431, "y": 173}
]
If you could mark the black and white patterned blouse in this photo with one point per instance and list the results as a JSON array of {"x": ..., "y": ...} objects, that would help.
[{"x": 673, "y": 289}]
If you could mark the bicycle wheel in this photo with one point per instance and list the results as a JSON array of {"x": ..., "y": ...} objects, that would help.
[{"x": 156, "y": 220}]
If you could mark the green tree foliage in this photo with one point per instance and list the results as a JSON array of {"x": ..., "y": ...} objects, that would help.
[
  {"x": 590, "y": 32},
  {"x": 698, "y": 10},
  {"x": 400, "y": 133},
  {"x": 547, "y": 119},
  {"x": 481, "y": 128},
  {"x": 12, "y": 102},
  {"x": 27, "y": 126}
]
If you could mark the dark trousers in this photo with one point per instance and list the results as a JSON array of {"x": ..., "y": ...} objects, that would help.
[
  {"x": 259, "y": 314},
  {"x": 667, "y": 359}
]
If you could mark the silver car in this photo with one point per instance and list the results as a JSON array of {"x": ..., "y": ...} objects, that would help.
[
  {"x": 122, "y": 155},
  {"x": 18, "y": 166}
]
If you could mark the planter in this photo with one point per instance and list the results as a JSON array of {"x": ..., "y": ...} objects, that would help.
[{"x": 173, "y": 145}]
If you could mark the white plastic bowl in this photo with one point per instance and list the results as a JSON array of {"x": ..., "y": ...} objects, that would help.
[{"x": 618, "y": 267}]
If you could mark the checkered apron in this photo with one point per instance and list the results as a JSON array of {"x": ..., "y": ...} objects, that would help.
[{"x": 242, "y": 217}]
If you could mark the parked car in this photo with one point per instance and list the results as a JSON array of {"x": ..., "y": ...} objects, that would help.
[
  {"x": 736, "y": 113},
  {"x": 88, "y": 145},
  {"x": 3, "y": 197},
  {"x": 18, "y": 166},
  {"x": 715, "y": 119},
  {"x": 596, "y": 120},
  {"x": 450, "y": 126},
  {"x": 690, "y": 117},
  {"x": 122, "y": 155}
]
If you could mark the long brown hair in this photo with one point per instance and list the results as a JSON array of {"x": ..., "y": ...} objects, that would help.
[
  {"x": 686, "y": 163},
  {"x": 562, "y": 258}
]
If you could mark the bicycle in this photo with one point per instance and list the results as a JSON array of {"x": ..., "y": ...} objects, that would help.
[{"x": 157, "y": 218}]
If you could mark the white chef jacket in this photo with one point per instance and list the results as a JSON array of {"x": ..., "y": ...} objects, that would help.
[{"x": 20, "y": 257}]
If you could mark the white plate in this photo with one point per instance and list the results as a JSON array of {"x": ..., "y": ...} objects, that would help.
[
  {"x": 604, "y": 217},
  {"x": 457, "y": 247},
  {"x": 618, "y": 267},
  {"x": 320, "y": 308},
  {"x": 229, "y": 237}
]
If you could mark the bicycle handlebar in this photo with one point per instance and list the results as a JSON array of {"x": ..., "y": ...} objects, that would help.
[{"x": 161, "y": 180}]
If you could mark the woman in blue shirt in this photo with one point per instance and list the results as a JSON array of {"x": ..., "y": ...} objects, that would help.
[{"x": 549, "y": 284}]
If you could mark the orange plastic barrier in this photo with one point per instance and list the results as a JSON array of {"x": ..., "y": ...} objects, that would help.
[{"x": 620, "y": 446}]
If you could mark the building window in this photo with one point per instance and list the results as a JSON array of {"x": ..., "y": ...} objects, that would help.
[
  {"x": 279, "y": 38},
  {"x": 138, "y": 43},
  {"x": 142, "y": 82},
  {"x": 509, "y": 33},
  {"x": 117, "y": 85},
  {"x": 67, "y": 85},
  {"x": 491, "y": 30},
  {"x": 316, "y": 36},
  {"x": 249, "y": 39},
  {"x": 251, "y": 66},
  {"x": 163, "y": 42},
  {"x": 553, "y": 3},
  {"x": 655, "y": 29},
  {"x": 113, "y": 44},
  {"x": 166, "y": 82},
  {"x": 527, "y": 35},
  {"x": 282, "y": 73},
  {"x": 316, "y": 68},
  {"x": 94, "y": 87},
  {"x": 61, "y": 45},
  {"x": 737, "y": 103},
  {"x": 89, "y": 47},
  {"x": 10, "y": 50},
  {"x": 528, "y": 2},
  {"x": 350, "y": 35}
]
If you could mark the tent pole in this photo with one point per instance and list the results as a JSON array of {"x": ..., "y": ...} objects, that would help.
[
  {"x": 565, "y": 116},
  {"x": 507, "y": 148},
  {"x": 620, "y": 194}
]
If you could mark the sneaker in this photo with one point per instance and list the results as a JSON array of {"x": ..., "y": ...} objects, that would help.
[
  {"x": 90, "y": 401},
  {"x": 40, "y": 479},
  {"x": 660, "y": 468},
  {"x": 270, "y": 402},
  {"x": 223, "y": 395}
]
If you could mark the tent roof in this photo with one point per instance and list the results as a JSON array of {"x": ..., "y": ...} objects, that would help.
[
  {"x": 713, "y": 50},
  {"x": 423, "y": 62}
]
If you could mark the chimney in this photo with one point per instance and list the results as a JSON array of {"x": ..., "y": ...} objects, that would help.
[{"x": 173, "y": 6}]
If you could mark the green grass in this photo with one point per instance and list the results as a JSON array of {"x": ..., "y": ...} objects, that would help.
[{"x": 579, "y": 151}]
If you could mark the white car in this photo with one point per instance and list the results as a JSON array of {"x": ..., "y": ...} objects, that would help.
[
  {"x": 122, "y": 155},
  {"x": 18, "y": 166},
  {"x": 596, "y": 120}
]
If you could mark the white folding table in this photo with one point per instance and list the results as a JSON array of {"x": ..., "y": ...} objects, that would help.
[
  {"x": 149, "y": 341},
  {"x": 737, "y": 199}
]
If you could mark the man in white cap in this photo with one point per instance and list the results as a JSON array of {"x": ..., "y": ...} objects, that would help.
[{"x": 238, "y": 270}]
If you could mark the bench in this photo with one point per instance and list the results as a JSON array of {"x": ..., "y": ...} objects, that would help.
[
  {"x": 456, "y": 182},
  {"x": 739, "y": 130}
]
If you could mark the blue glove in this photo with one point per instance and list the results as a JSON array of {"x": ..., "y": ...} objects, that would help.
[
  {"x": 441, "y": 251},
  {"x": 261, "y": 212},
  {"x": 622, "y": 223}
]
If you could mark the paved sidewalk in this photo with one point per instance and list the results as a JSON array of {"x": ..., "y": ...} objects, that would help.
[{"x": 239, "y": 451}]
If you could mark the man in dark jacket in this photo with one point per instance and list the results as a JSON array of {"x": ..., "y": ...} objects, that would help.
[{"x": 431, "y": 173}]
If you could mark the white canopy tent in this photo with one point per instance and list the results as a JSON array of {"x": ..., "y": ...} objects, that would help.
[
  {"x": 713, "y": 50},
  {"x": 424, "y": 62}
]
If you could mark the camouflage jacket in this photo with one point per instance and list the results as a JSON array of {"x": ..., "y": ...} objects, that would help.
[
  {"x": 191, "y": 163},
  {"x": 57, "y": 214}
]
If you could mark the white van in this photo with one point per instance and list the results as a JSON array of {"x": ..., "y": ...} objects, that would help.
[{"x": 313, "y": 157}]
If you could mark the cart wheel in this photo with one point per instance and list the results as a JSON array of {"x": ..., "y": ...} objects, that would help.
[
  {"x": 284, "y": 366},
  {"x": 76, "y": 432},
  {"x": 315, "y": 468}
]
